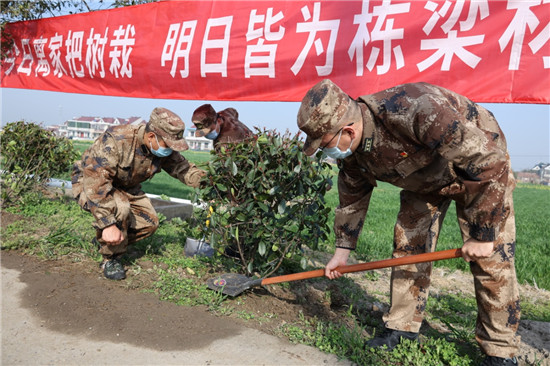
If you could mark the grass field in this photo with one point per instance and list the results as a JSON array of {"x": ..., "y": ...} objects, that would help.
[
  {"x": 532, "y": 224},
  {"x": 532, "y": 205}
]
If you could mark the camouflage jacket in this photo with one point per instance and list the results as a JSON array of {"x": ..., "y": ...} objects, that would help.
[
  {"x": 119, "y": 159},
  {"x": 431, "y": 141},
  {"x": 231, "y": 129}
]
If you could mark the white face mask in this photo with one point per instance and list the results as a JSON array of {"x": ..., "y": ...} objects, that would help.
[{"x": 335, "y": 152}]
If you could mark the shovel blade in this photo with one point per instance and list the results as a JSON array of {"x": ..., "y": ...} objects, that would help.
[{"x": 232, "y": 284}]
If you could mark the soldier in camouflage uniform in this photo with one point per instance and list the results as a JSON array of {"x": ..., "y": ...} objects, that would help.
[
  {"x": 107, "y": 181},
  {"x": 223, "y": 127},
  {"x": 438, "y": 146}
]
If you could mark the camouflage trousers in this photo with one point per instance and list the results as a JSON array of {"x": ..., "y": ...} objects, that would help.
[
  {"x": 416, "y": 231},
  {"x": 135, "y": 217}
]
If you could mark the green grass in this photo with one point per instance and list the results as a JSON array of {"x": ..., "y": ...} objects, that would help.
[
  {"x": 81, "y": 145},
  {"x": 532, "y": 206},
  {"x": 347, "y": 342},
  {"x": 163, "y": 183}
]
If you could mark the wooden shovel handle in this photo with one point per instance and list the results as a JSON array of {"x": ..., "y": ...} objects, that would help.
[{"x": 410, "y": 259}]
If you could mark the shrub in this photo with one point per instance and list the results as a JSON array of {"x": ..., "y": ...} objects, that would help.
[
  {"x": 265, "y": 201},
  {"x": 30, "y": 157}
]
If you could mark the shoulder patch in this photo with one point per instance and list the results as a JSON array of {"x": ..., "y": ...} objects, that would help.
[{"x": 367, "y": 144}]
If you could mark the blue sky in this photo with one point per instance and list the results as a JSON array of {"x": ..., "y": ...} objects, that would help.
[{"x": 526, "y": 126}]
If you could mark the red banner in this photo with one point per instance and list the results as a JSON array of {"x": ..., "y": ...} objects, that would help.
[{"x": 490, "y": 51}]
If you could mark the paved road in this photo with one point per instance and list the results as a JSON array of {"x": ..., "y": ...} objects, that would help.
[{"x": 26, "y": 340}]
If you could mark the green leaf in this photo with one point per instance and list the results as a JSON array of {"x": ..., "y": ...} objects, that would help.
[
  {"x": 263, "y": 206},
  {"x": 261, "y": 248},
  {"x": 282, "y": 207}
]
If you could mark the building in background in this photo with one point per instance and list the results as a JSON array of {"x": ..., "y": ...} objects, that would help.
[
  {"x": 539, "y": 174},
  {"x": 89, "y": 128},
  {"x": 543, "y": 172},
  {"x": 197, "y": 143}
]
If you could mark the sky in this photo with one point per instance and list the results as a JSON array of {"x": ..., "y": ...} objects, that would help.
[{"x": 526, "y": 126}]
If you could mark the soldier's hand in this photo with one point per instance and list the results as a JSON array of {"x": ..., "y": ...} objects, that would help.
[
  {"x": 340, "y": 258},
  {"x": 473, "y": 250},
  {"x": 194, "y": 179},
  {"x": 112, "y": 235}
]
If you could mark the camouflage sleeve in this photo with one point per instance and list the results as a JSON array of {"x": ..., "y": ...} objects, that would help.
[
  {"x": 480, "y": 160},
  {"x": 354, "y": 192},
  {"x": 180, "y": 168},
  {"x": 99, "y": 167}
]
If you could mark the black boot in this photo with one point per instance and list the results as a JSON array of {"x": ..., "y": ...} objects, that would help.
[
  {"x": 499, "y": 361},
  {"x": 113, "y": 269},
  {"x": 391, "y": 338}
]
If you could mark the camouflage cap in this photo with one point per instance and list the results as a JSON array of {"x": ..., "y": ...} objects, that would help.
[
  {"x": 170, "y": 127},
  {"x": 321, "y": 112},
  {"x": 204, "y": 119}
]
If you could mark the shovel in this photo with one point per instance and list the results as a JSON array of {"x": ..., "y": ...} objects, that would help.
[{"x": 233, "y": 284}]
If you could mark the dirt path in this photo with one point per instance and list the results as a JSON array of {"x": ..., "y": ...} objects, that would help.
[{"x": 70, "y": 315}]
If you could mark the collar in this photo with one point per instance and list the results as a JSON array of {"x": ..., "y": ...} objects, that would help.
[
  {"x": 141, "y": 139},
  {"x": 368, "y": 128}
]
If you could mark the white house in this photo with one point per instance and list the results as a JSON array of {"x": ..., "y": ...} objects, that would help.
[
  {"x": 89, "y": 128},
  {"x": 197, "y": 143}
]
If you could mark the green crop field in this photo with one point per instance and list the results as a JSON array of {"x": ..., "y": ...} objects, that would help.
[{"x": 532, "y": 206}]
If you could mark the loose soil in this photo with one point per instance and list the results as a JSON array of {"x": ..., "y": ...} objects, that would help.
[{"x": 74, "y": 298}]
